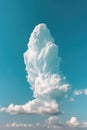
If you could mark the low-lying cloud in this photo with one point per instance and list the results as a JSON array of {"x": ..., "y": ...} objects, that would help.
[
  {"x": 43, "y": 74},
  {"x": 52, "y": 123}
]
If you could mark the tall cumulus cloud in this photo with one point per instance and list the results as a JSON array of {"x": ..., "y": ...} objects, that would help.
[{"x": 43, "y": 74}]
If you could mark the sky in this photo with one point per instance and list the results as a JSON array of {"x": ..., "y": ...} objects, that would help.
[{"x": 65, "y": 23}]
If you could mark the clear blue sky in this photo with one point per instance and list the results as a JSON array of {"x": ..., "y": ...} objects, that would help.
[{"x": 67, "y": 20}]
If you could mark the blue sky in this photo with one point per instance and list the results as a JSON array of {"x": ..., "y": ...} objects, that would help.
[{"x": 67, "y": 21}]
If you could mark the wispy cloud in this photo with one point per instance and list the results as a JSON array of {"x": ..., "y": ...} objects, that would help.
[
  {"x": 80, "y": 92},
  {"x": 43, "y": 74},
  {"x": 14, "y": 124},
  {"x": 71, "y": 99}
]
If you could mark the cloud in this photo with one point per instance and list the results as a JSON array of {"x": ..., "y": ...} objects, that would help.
[
  {"x": 23, "y": 126},
  {"x": 14, "y": 124},
  {"x": 43, "y": 74},
  {"x": 77, "y": 93},
  {"x": 73, "y": 122},
  {"x": 33, "y": 107},
  {"x": 52, "y": 123},
  {"x": 71, "y": 99},
  {"x": 80, "y": 92}
]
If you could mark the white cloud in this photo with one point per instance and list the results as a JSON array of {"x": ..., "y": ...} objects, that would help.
[
  {"x": 53, "y": 122},
  {"x": 14, "y": 124},
  {"x": 22, "y": 125},
  {"x": 73, "y": 121},
  {"x": 80, "y": 92},
  {"x": 71, "y": 99},
  {"x": 43, "y": 74},
  {"x": 85, "y": 91},
  {"x": 33, "y": 107},
  {"x": 42, "y": 65}
]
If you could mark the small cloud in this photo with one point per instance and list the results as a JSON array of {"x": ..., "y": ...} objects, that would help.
[
  {"x": 73, "y": 121},
  {"x": 85, "y": 91},
  {"x": 52, "y": 121},
  {"x": 80, "y": 92},
  {"x": 14, "y": 124},
  {"x": 23, "y": 125},
  {"x": 71, "y": 99}
]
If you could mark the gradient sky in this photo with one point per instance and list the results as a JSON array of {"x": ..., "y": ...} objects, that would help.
[{"x": 67, "y": 21}]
